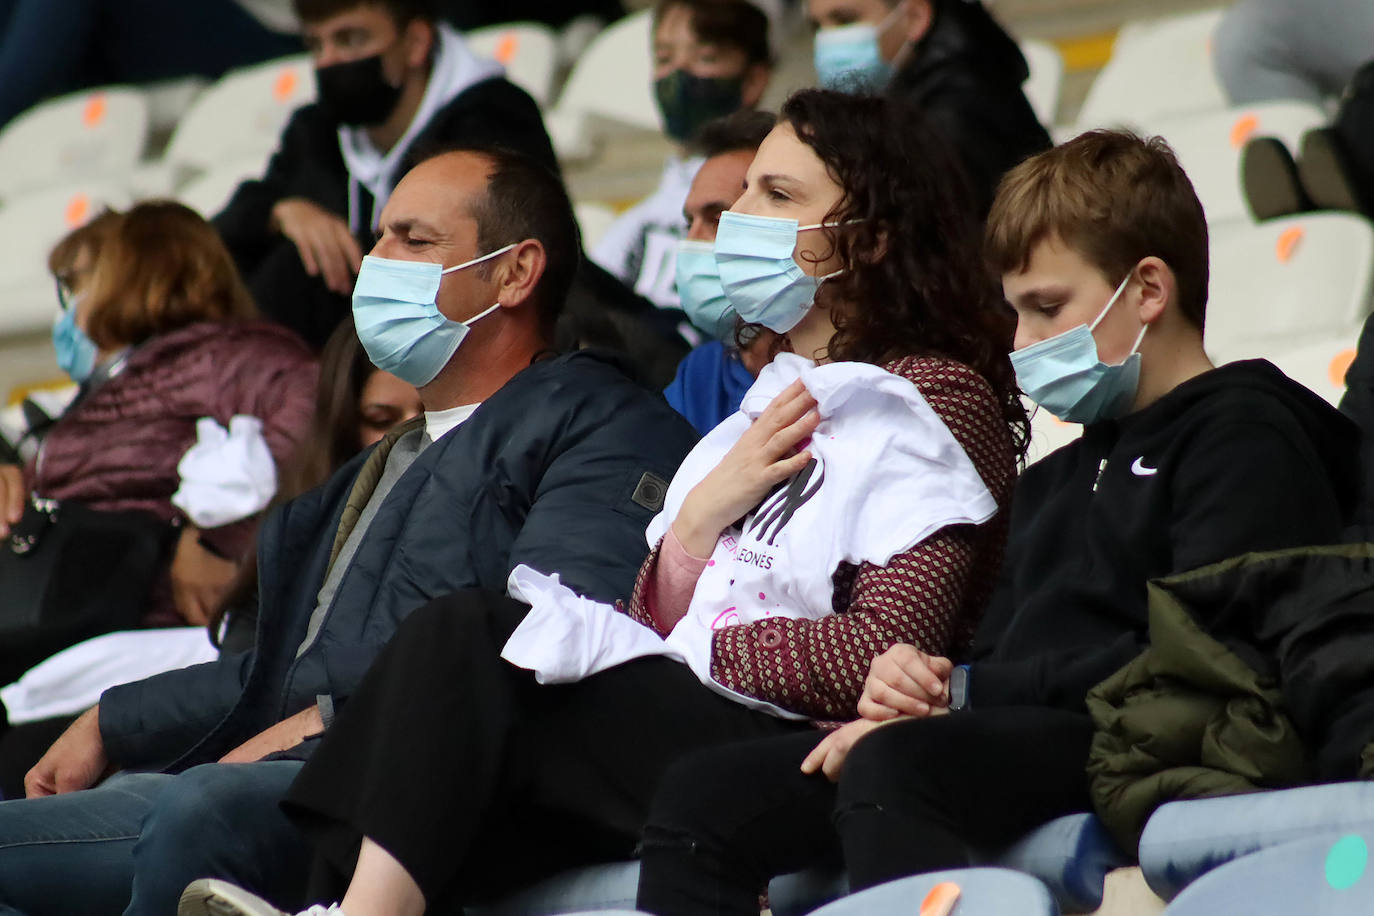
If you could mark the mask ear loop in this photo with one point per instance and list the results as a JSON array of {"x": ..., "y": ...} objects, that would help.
[
  {"x": 848, "y": 222},
  {"x": 475, "y": 261},
  {"x": 1111, "y": 302}
]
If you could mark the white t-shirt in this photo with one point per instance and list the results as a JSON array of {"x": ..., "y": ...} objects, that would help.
[
  {"x": 641, "y": 246},
  {"x": 439, "y": 422},
  {"x": 887, "y": 473}
]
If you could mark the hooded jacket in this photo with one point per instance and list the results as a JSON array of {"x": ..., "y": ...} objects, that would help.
[
  {"x": 1236, "y": 460},
  {"x": 549, "y": 471},
  {"x": 1259, "y": 675},
  {"x": 965, "y": 76}
]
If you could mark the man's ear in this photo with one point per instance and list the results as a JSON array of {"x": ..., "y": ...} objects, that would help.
[
  {"x": 920, "y": 16},
  {"x": 420, "y": 38},
  {"x": 756, "y": 78},
  {"x": 1158, "y": 287},
  {"x": 520, "y": 272}
]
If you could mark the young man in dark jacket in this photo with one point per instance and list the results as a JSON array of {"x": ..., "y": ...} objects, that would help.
[
  {"x": 392, "y": 82},
  {"x": 1102, "y": 246},
  {"x": 520, "y": 458},
  {"x": 948, "y": 57}
]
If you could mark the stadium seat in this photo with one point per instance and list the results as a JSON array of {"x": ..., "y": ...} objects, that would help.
[
  {"x": 209, "y": 192},
  {"x": 1158, "y": 67},
  {"x": 1320, "y": 365},
  {"x": 1048, "y": 432},
  {"x": 1328, "y": 875},
  {"x": 1186, "y": 839},
  {"x": 982, "y": 892},
  {"x": 86, "y": 135},
  {"x": 608, "y": 86},
  {"x": 1209, "y": 145},
  {"x": 240, "y": 116},
  {"x": 30, "y": 225},
  {"x": 1288, "y": 282},
  {"x": 593, "y": 219},
  {"x": 528, "y": 51},
  {"x": 1046, "y": 78},
  {"x": 169, "y": 100}
]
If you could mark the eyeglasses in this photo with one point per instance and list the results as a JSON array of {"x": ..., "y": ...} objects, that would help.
[{"x": 65, "y": 297}]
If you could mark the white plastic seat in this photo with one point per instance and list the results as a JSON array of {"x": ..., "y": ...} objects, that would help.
[
  {"x": 208, "y": 193},
  {"x": 593, "y": 219},
  {"x": 1159, "y": 67},
  {"x": 1296, "y": 280},
  {"x": 1209, "y": 146},
  {"x": 30, "y": 225},
  {"x": 528, "y": 51},
  {"x": 982, "y": 892},
  {"x": 1046, "y": 78},
  {"x": 609, "y": 85},
  {"x": 169, "y": 100},
  {"x": 1321, "y": 365},
  {"x": 1048, "y": 432},
  {"x": 89, "y": 134},
  {"x": 240, "y": 116}
]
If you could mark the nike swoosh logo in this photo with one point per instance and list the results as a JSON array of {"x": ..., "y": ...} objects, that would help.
[{"x": 1138, "y": 468}]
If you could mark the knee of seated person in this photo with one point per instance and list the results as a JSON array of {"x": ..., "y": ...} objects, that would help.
[
  {"x": 888, "y": 756},
  {"x": 197, "y": 797},
  {"x": 691, "y": 799}
]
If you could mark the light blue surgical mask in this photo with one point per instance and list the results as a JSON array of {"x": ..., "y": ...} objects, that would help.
[
  {"x": 699, "y": 289},
  {"x": 396, "y": 311},
  {"x": 847, "y": 57},
  {"x": 76, "y": 352},
  {"x": 760, "y": 277},
  {"x": 1064, "y": 375}
]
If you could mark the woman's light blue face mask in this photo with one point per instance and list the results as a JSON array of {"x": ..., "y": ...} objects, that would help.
[
  {"x": 396, "y": 311},
  {"x": 76, "y": 352},
  {"x": 1064, "y": 374},
  {"x": 848, "y": 57},
  {"x": 758, "y": 273}
]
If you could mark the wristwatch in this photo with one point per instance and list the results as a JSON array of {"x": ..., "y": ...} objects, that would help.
[{"x": 958, "y": 689}]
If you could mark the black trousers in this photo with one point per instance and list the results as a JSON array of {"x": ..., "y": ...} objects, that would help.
[
  {"x": 480, "y": 780},
  {"x": 913, "y": 797}
]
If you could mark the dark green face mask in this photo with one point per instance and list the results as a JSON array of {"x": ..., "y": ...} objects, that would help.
[{"x": 688, "y": 101}]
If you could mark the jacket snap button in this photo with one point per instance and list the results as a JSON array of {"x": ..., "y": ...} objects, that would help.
[{"x": 771, "y": 638}]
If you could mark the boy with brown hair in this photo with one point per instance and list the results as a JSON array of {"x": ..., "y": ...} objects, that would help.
[{"x": 1102, "y": 248}]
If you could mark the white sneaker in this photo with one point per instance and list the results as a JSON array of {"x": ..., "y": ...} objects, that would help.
[{"x": 212, "y": 897}]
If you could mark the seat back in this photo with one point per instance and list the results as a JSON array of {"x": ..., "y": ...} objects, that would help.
[
  {"x": 209, "y": 192},
  {"x": 1186, "y": 839},
  {"x": 1158, "y": 67},
  {"x": 982, "y": 892},
  {"x": 1046, "y": 78},
  {"x": 89, "y": 134},
  {"x": 1296, "y": 280},
  {"x": 1327, "y": 875},
  {"x": 611, "y": 80},
  {"x": 1048, "y": 432},
  {"x": 243, "y": 114},
  {"x": 1209, "y": 146},
  {"x": 30, "y": 225},
  {"x": 528, "y": 51},
  {"x": 1320, "y": 365}
]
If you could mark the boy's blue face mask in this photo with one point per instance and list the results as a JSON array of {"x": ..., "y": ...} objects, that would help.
[
  {"x": 760, "y": 277},
  {"x": 76, "y": 352},
  {"x": 396, "y": 311},
  {"x": 1064, "y": 375},
  {"x": 700, "y": 292}
]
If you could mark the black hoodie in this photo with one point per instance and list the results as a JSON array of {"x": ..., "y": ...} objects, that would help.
[
  {"x": 965, "y": 76},
  {"x": 1238, "y": 459}
]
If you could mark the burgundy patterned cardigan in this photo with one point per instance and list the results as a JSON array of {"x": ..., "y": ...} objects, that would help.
[{"x": 932, "y": 596}]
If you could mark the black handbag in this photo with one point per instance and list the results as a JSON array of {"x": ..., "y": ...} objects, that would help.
[{"x": 69, "y": 572}]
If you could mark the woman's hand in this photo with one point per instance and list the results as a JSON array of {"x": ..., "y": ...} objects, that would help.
[
  {"x": 829, "y": 756},
  {"x": 199, "y": 578},
  {"x": 904, "y": 681},
  {"x": 12, "y": 497},
  {"x": 765, "y": 456}
]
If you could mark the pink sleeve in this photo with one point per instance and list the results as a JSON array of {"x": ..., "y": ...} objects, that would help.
[{"x": 675, "y": 578}]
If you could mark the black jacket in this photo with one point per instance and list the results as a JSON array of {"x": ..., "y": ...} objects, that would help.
[
  {"x": 965, "y": 75},
  {"x": 546, "y": 472},
  {"x": 308, "y": 163},
  {"x": 1237, "y": 460}
]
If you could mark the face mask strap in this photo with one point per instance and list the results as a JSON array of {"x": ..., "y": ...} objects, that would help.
[
  {"x": 1110, "y": 302},
  {"x": 482, "y": 314},
  {"x": 485, "y": 257}
]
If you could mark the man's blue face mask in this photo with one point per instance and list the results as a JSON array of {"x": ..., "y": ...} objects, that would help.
[
  {"x": 1064, "y": 375},
  {"x": 396, "y": 311}
]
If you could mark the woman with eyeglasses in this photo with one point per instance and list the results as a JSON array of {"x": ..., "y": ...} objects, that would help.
[
  {"x": 161, "y": 336},
  {"x": 855, "y": 501}
]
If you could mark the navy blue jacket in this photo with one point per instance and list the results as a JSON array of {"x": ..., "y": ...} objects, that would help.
[{"x": 549, "y": 471}]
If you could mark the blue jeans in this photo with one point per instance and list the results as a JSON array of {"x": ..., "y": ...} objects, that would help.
[{"x": 134, "y": 843}]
